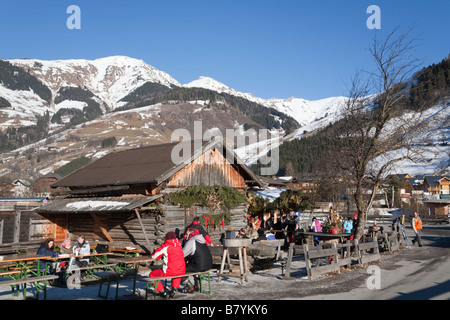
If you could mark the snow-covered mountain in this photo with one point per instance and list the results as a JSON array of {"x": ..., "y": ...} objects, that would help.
[
  {"x": 110, "y": 78},
  {"x": 308, "y": 113},
  {"x": 107, "y": 81},
  {"x": 30, "y": 88}
]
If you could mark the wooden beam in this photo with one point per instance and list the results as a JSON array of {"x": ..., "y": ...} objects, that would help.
[
  {"x": 99, "y": 224},
  {"x": 143, "y": 229}
]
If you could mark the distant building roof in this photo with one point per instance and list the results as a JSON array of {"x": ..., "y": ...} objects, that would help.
[
  {"x": 21, "y": 181},
  {"x": 432, "y": 180}
]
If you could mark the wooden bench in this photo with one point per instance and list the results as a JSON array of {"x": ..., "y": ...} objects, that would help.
[
  {"x": 24, "y": 281},
  {"x": 204, "y": 275},
  {"x": 74, "y": 272},
  {"x": 114, "y": 275}
]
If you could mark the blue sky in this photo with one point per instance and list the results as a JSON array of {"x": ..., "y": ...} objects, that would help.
[{"x": 284, "y": 48}]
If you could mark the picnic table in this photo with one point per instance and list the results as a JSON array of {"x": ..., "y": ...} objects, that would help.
[
  {"x": 127, "y": 252},
  {"x": 124, "y": 266},
  {"x": 305, "y": 236},
  {"x": 71, "y": 274},
  {"x": 131, "y": 262},
  {"x": 24, "y": 262},
  {"x": 17, "y": 267}
]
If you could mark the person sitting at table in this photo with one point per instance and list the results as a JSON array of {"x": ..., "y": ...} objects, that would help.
[
  {"x": 173, "y": 263},
  {"x": 65, "y": 247},
  {"x": 80, "y": 248},
  {"x": 269, "y": 235},
  {"x": 198, "y": 258},
  {"x": 261, "y": 236},
  {"x": 47, "y": 248},
  {"x": 241, "y": 234}
]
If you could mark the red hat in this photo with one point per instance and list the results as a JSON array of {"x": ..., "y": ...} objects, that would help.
[
  {"x": 355, "y": 215},
  {"x": 171, "y": 235}
]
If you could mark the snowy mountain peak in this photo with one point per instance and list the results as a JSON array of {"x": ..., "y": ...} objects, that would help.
[
  {"x": 110, "y": 78},
  {"x": 309, "y": 114},
  {"x": 208, "y": 83}
]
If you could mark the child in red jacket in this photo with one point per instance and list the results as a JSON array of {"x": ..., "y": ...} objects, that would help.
[{"x": 173, "y": 263}]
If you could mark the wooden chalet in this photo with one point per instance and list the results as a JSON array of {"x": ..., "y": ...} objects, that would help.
[
  {"x": 304, "y": 182},
  {"x": 119, "y": 198},
  {"x": 436, "y": 185},
  {"x": 41, "y": 186}
]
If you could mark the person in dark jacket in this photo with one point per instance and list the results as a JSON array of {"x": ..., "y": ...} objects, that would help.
[
  {"x": 47, "y": 248},
  {"x": 261, "y": 236},
  {"x": 196, "y": 225},
  {"x": 197, "y": 256},
  {"x": 290, "y": 225}
]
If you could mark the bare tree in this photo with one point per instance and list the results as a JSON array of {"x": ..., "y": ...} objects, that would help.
[{"x": 377, "y": 129}]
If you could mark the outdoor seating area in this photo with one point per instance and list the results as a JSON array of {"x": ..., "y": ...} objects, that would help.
[{"x": 106, "y": 271}]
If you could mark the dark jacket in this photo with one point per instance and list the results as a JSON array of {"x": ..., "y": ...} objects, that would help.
[
  {"x": 197, "y": 254},
  {"x": 45, "y": 251}
]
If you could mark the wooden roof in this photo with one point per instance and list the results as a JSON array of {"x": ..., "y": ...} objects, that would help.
[
  {"x": 151, "y": 164},
  {"x": 87, "y": 205}
]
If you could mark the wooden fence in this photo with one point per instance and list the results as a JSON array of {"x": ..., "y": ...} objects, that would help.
[{"x": 329, "y": 257}]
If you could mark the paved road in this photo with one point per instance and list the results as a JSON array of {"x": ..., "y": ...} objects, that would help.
[{"x": 419, "y": 273}]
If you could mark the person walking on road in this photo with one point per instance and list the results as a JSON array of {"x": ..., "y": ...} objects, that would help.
[{"x": 416, "y": 223}]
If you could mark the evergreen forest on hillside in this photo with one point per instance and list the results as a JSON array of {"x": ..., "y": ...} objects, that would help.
[{"x": 309, "y": 154}]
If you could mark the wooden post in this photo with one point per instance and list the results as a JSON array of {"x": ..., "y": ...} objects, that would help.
[
  {"x": 99, "y": 224},
  {"x": 307, "y": 260},
  {"x": 143, "y": 229},
  {"x": 287, "y": 274},
  {"x": 16, "y": 235}
]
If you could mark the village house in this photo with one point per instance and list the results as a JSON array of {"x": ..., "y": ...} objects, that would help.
[
  {"x": 436, "y": 185},
  {"x": 21, "y": 188},
  {"x": 41, "y": 187},
  {"x": 304, "y": 182},
  {"x": 423, "y": 185},
  {"x": 273, "y": 182},
  {"x": 120, "y": 197}
]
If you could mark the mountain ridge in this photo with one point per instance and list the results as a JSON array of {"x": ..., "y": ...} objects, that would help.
[{"x": 145, "y": 107}]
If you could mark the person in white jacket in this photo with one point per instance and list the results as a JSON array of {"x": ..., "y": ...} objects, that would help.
[{"x": 80, "y": 248}]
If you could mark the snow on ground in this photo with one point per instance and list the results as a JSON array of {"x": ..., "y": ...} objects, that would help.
[{"x": 270, "y": 193}]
